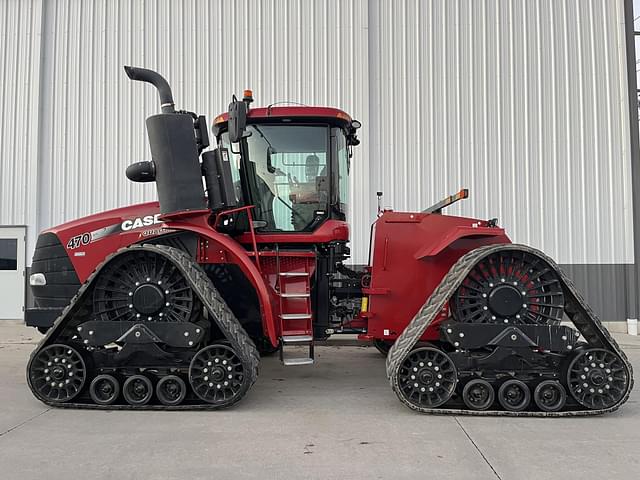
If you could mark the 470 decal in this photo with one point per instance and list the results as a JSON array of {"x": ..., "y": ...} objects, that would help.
[{"x": 79, "y": 241}]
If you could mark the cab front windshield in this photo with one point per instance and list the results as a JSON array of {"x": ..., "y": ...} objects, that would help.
[{"x": 289, "y": 174}]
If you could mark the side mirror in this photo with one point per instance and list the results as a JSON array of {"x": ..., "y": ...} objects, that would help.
[
  {"x": 141, "y": 172},
  {"x": 237, "y": 120}
]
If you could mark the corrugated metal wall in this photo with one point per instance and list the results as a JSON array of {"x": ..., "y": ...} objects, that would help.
[
  {"x": 523, "y": 102},
  {"x": 19, "y": 101}
]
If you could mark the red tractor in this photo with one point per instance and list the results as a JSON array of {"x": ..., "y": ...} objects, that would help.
[{"x": 169, "y": 304}]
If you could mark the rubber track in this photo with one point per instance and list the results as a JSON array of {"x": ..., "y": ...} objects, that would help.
[
  {"x": 583, "y": 317},
  {"x": 211, "y": 300}
]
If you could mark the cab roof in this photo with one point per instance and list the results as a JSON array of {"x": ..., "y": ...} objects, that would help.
[{"x": 278, "y": 114}]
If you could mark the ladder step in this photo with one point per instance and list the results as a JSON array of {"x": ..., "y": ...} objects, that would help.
[
  {"x": 294, "y": 295},
  {"x": 297, "y": 361},
  {"x": 289, "y": 339},
  {"x": 295, "y": 316},
  {"x": 294, "y": 274}
]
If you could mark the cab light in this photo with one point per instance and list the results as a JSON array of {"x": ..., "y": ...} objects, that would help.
[{"x": 218, "y": 119}]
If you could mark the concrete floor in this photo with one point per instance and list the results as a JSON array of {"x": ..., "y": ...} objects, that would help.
[{"x": 336, "y": 419}]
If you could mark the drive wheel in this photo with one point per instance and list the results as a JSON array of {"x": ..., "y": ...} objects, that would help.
[
  {"x": 217, "y": 375},
  {"x": 171, "y": 390},
  {"x": 427, "y": 377},
  {"x": 597, "y": 378},
  {"x": 478, "y": 394},
  {"x": 104, "y": 390},
  {"x": 143, "y": 286},
  {"x": 514, "y": 395},
  {"x": 512, "y": 287},
  {"x": 57, "y": 373},
  {"x": 550, "y": 396},
  {"x": 137, "y": 390}
]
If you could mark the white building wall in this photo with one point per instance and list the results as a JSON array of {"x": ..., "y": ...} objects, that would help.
[{"x": 525, "y": 103}]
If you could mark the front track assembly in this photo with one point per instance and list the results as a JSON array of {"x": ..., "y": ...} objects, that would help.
[
  {"x": 504, "y": 351},
  {"x": 147, "y": 330}
]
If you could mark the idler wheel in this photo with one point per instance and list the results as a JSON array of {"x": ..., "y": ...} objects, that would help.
[
  {"x": 104, "y": 389},
  {"x": 171, "y": 390},
  {"x": 57, "y": 373},
  {"x": 217, "y": 375},
  {"x": 478, "y": 394},
  {"x": 137, "y": 390},
  {"x": 514, "y": 395},
  {"x": 427, "y": 377},
  {"x": 597, "y": 378},
  {"x": 550, "y": 396}
]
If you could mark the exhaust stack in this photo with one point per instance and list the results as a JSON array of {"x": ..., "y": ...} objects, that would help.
[{"x": 174, "y": 151}]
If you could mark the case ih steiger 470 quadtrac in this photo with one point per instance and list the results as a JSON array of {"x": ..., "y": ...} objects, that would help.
[{"x": 168, "y": 304}]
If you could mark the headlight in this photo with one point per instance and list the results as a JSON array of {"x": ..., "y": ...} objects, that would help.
[{"x": 37, "y": 279}]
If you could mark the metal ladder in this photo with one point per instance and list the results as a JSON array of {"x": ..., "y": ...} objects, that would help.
[{"x": 296, "y": 318}]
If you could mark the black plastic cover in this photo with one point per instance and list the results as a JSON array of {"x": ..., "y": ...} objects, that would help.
[
  {"x": 217, "y": 176},
  {"x": 175, "y": 155}
]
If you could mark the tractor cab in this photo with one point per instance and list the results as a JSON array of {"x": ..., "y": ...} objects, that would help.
[{"x": 290, "y": 163}]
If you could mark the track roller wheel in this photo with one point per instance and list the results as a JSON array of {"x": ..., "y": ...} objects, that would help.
[
  {"x": 57, "y": 373},
  {"x": 217, "y": 375},
  {"x": 597, "y": 378},
  {"x": 478, "y": 394},
  {"x": 514, "y": 395},
  {"x": 550, "y": 396},
  {"x": 427, "y": 377},
  {"x": 171, "y": 390},
  {"x": 137, "y": 390},
  {"x": 104, "y": 389}
]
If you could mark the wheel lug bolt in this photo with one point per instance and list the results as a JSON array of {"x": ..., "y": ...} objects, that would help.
[
  {"x": 423, "y": 389},
  {"x": 137, "y": 283},
  {"x": 53, "y": 384},
  {"x": 600, "y": 390},
  {"x": 485, "y": 308},
  {"x": 206, "y": 378},
  {"x": 437, "y": 384},
  {"x": 583, "y": 377},
  {"x": 586, "y": 369},
  {"x": 218, "y": 386},
  {"x": 46, "y": 370},
  {"x": 416, "y": 385},
  {"x": 610, "y": 379},
  {"x": 230, "y": 377},
  {"x": 217, "y": 360},
  {"x": 585, "y": 384},
  {"x": 439, "y": 375},
  {"x": 148, "y": 279},
  {"x": 167, "y": 304},
  {"x": 167, "y": 292},
  {"x": 608, "y": 370},
  {"x": 491, "y": 285},
  {"x": 415, "y": 369},
  {"x": 210, "y": 384},
  {"x": 229, "y": 368},
  {"x": 461, "y": 334},
  {"x": 431, "y": 389},
  {"x": 456, "y": 344},
  {"x": 436, "y": 368},
  {"x": 224, "y": 362},
  {"x": 413, "y": 377},
  {"x": 484, "y": 295},
  {"x": 593, "y": 365},
  {"x": 209, "y": 363},
  {"x": 421, "y": 364},
  {"x": 592, "y": 390},
  {"x": 607, "y": 386},
  {"x": 226, "y": 383},
  {"x": 449, "y": 330},
  {"x": 47, "y": 379}
]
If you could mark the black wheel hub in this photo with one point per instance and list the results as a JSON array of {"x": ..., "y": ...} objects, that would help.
[
  {"x": 514, "y": 395},
  {"x": 148, "y": 299},
  {"x": 428, "y": 377},
  {"x": 505, "y": 300},
  {"x": 550, "y": 396},
  {"x": 512, "y": 287},
  {"x": 478, "y": 394},
  {"x": 597, "y": 378},
  {"x": 216, "y": 374},
  {"x": 171, "y": 390},
  {"x": 143, "y": 286},
  {"x": 57, "y": 373}
]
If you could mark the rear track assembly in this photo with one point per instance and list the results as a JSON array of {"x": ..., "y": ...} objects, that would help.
[{"x": 591, "y": 379}]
